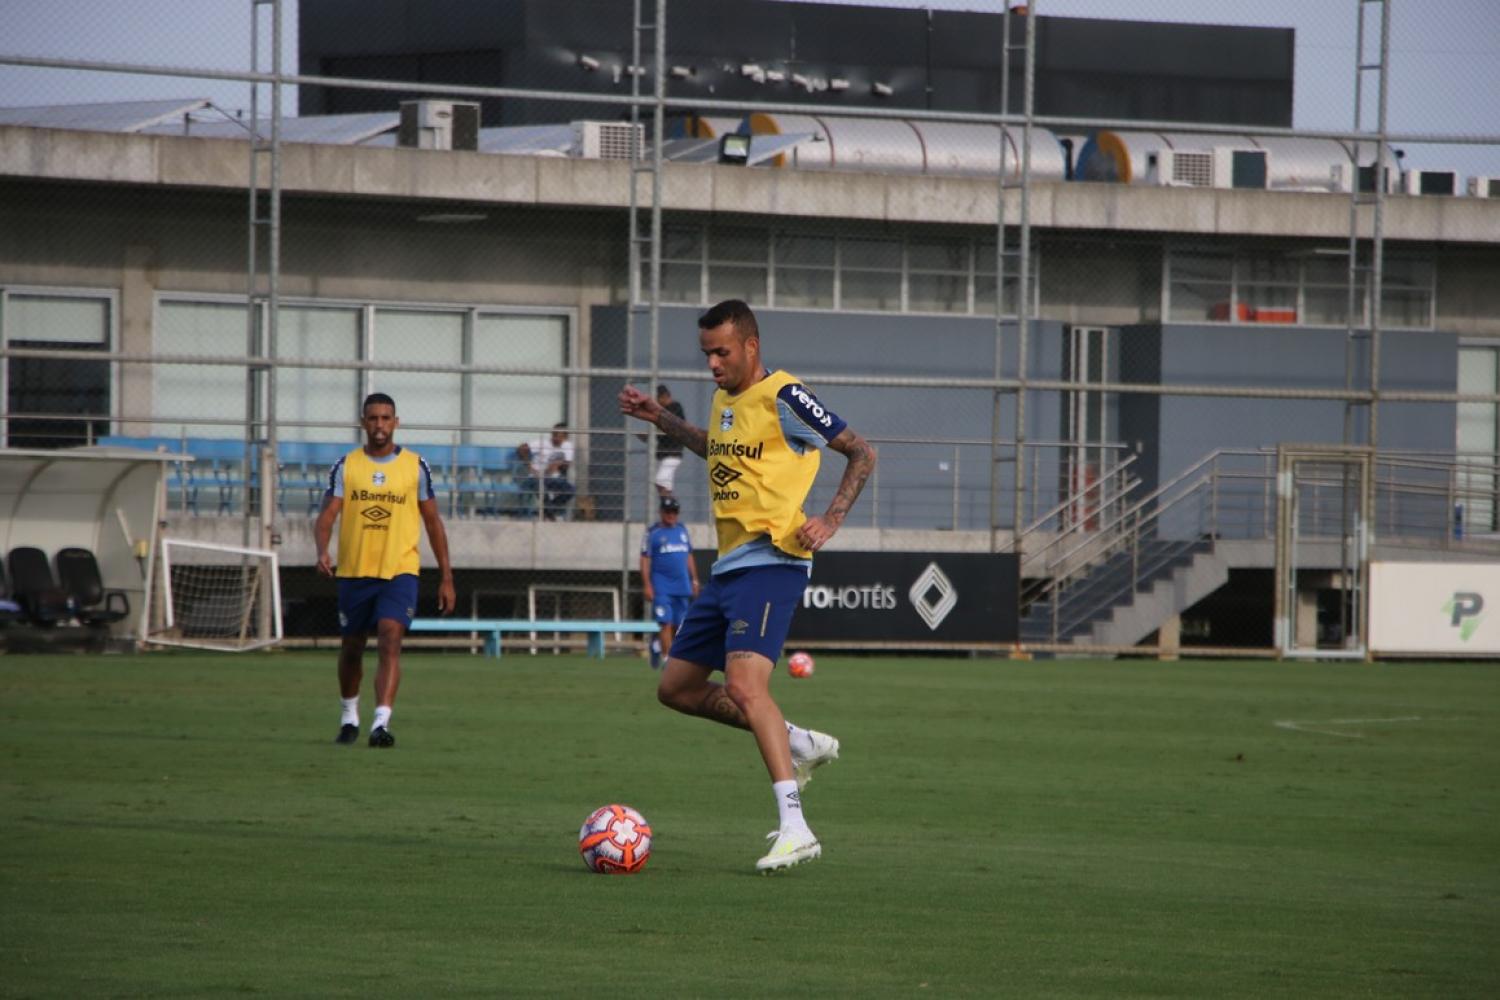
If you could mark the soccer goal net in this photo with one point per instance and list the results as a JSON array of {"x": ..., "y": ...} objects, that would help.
[{"x": 210, "y": 596}]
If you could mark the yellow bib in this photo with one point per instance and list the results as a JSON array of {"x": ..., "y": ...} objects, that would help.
[
  {"x": 380, "y": 526},
  {"x": 757, "y": 482}
]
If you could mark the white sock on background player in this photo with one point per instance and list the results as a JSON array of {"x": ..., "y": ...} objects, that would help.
[
  {"x": 350, "y": 716},
  {"x": 382, "y": 717}
]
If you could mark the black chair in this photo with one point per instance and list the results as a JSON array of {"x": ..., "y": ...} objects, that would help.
[
  {"x": 36, "y": 591},
  {"x": 78, "y": 571},
  {"x": 10, "y": 608}
]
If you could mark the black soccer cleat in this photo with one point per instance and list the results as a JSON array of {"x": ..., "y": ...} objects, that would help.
[
  {"x": 348, "y": 734},
  {"x": 381, "y": 737}
]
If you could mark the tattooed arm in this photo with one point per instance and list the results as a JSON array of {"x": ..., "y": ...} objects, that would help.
[
  {"x": 860, "y": 455},
  {"x": 634, "y": 403}
]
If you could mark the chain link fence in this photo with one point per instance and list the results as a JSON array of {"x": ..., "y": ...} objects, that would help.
[{"x": 1101, "y": 389}]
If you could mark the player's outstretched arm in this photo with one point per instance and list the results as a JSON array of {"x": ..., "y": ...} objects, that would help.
[
  {"x": 634, "y": 403},
  {"x": 860, "y": 455},
  {"x": 437, "y": 537}
]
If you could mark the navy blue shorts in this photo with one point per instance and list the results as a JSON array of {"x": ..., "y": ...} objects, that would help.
[
  {"x": 364, "y": 601},
  {"x": 671, "y": 610},
  {"x": 748, "y": 609}
]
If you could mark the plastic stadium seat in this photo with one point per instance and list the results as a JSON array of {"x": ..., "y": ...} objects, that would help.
[
  {"x": 37, "y": 592},
  {"x": 78, "y": 571},
  {"x": 10, "y": 608}
]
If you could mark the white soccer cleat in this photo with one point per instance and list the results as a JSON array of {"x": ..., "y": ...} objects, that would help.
[
  {"x": 791, "y": 848},
  {"x": 824, "y": 749}
]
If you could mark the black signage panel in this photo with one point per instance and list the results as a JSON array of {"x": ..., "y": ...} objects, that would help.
[{"x": 905, "y": 596}]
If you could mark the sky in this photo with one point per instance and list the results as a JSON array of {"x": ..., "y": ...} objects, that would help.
[{"x": 1444, "y": 79}]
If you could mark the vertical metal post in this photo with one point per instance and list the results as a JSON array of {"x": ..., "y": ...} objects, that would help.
[
  {"x": 1023, "y": 292},
  {"x": 1377, "y": 235},
  {"x": 1000, "y": 190}
]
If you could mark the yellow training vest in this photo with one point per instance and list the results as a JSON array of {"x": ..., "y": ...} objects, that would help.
[
  {"x": 756, "y": 480},
  {"x": 380, "y": 526}
]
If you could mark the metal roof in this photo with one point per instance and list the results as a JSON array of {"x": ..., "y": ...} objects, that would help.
[{"x": 113, "y": 116}]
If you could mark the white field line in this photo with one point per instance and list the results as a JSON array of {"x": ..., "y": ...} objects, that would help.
[{"x": 1312, "y": 726}]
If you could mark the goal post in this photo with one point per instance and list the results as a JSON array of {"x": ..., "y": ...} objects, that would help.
[{"x": 204, "y": 595}]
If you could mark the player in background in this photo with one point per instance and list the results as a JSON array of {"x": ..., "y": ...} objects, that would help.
[
  {"x": 669, "y": 578},
  {"x": 765, "y": 435},
  {"x": 385, "y": 495}
]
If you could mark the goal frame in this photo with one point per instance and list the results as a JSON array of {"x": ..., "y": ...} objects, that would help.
[{"x": 161, "y": 589}]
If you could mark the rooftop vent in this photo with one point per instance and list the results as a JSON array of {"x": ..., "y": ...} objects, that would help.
[
  {"x": 608, "y": 140},
  {"x": 439, "y": 125}
]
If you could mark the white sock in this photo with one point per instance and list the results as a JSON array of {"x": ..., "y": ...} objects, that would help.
[
  {"x": 382, "y": 717},
  {"x": 351, "y": 711},
  {"x": 800, "y": 740},
  {"x": 789, "y": 805}
]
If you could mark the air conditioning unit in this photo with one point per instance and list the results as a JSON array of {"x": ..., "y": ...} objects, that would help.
[
  {"x": 1430, "y": 182},
  {"x": 608, "y": 140},
  {"x": 1222, "y": 167},
  {"x": 439, "y": 125},
  {"x": 1484, "y": 187}
]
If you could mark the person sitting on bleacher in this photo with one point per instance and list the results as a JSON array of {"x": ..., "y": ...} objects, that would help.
[{"x": 551, "y": 458}]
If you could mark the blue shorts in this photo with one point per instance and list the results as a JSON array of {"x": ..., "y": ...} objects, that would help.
[
  {"x": 749, "y": 609},
  {"x": 364, "y": 601},
  {"x": 671, "y": 610}
]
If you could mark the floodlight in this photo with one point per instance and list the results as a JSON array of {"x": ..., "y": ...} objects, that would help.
[{"x": 734, "y": 148}]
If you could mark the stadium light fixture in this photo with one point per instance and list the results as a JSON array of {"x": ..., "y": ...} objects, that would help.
[
  {"x": 881, "y": 89},
  {"x": 588, "y": 62},
  {"x": 734, "y": 149}
]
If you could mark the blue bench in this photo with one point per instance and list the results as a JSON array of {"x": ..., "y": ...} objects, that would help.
[{"x": 492, "y": 629}]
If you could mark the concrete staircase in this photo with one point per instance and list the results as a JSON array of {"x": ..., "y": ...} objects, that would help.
[{"x": 1129, "y": 595}]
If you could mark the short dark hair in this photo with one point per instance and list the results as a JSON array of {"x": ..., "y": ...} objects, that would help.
[
  {"x": 731, "y": 311},
  {"x": 662, "y": 390},
  {"x": 561, "y": 425},
  {"x": 377, "y": 397}
]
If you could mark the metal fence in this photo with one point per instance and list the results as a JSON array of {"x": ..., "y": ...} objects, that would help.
[{"x": 1040, "y": 360}]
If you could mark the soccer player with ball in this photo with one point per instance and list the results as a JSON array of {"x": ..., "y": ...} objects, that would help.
[{"x": 763, "y": 444}]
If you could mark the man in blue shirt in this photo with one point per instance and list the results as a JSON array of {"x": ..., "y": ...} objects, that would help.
[{"x": 669, "y": 577}]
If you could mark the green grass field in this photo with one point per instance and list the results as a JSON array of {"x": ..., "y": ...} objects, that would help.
[{"x": 182, "y": 826}]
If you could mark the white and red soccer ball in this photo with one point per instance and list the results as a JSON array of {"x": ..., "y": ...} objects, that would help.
[
  {"x": 615, "y": 840},
  {"x": 799, "y": 664}
]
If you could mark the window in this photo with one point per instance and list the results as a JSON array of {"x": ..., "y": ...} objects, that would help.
[
  {"x": 1479, "y": 437},
  {"x": 737, "y": 263},
  {"x": 517, "y": 400},
  {"x": 937, "y": 276},
  {"x": 1310, "y": 287},
  {"x": 409, "y": 336},
  {"x": 870, "y": 272},
  {"x": 805, "y": 268},
  {"x": 317, "y": 404},
  {"x": 57, "y": 321}
]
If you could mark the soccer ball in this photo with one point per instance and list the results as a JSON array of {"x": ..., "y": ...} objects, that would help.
[
  {"x": 799, "y": 664},
  {"x": 615, "y": 840}
]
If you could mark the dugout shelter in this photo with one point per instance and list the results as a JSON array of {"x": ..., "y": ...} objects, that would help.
[{"x": 106, "y": 500}]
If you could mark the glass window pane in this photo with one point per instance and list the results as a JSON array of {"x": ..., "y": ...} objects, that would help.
[
  {"x": 1405, "y": 307},
  {"x": 427, "y": 398},
  {"x": 984, "y": 258},
  {"x": 679, "y": 282},
  {"x": 518, "y": 400},
  {"x": 938, "y": 293},
  {"x": 1326, "y": 306},
  {"x": 54, "y": 319},
  {"x": 682, "y": 244},
  {"x": 941, "y": 255},
  {"x": 728, "y": 282},
  {"x": 870, "y": 290},
  {"x": 180, "y": 393},
  {"x": 1269, "y": 303},
  {"x": 804, "y": 249},
  {"x": 1201, "y": 267},
  {"x": 749, "y": 246},
  {"x": 984, "y": 295},
  {"x": 1266, "y": 269},
  {"x": 328, "y": 398},
  {"x": 805, "y": 288},
  {"x": 1332, "y": 270},
  {"x": 869, "y": 253},
  {"x": 1196, "y": 301},
  {"x": 1411, "y": 273}
]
